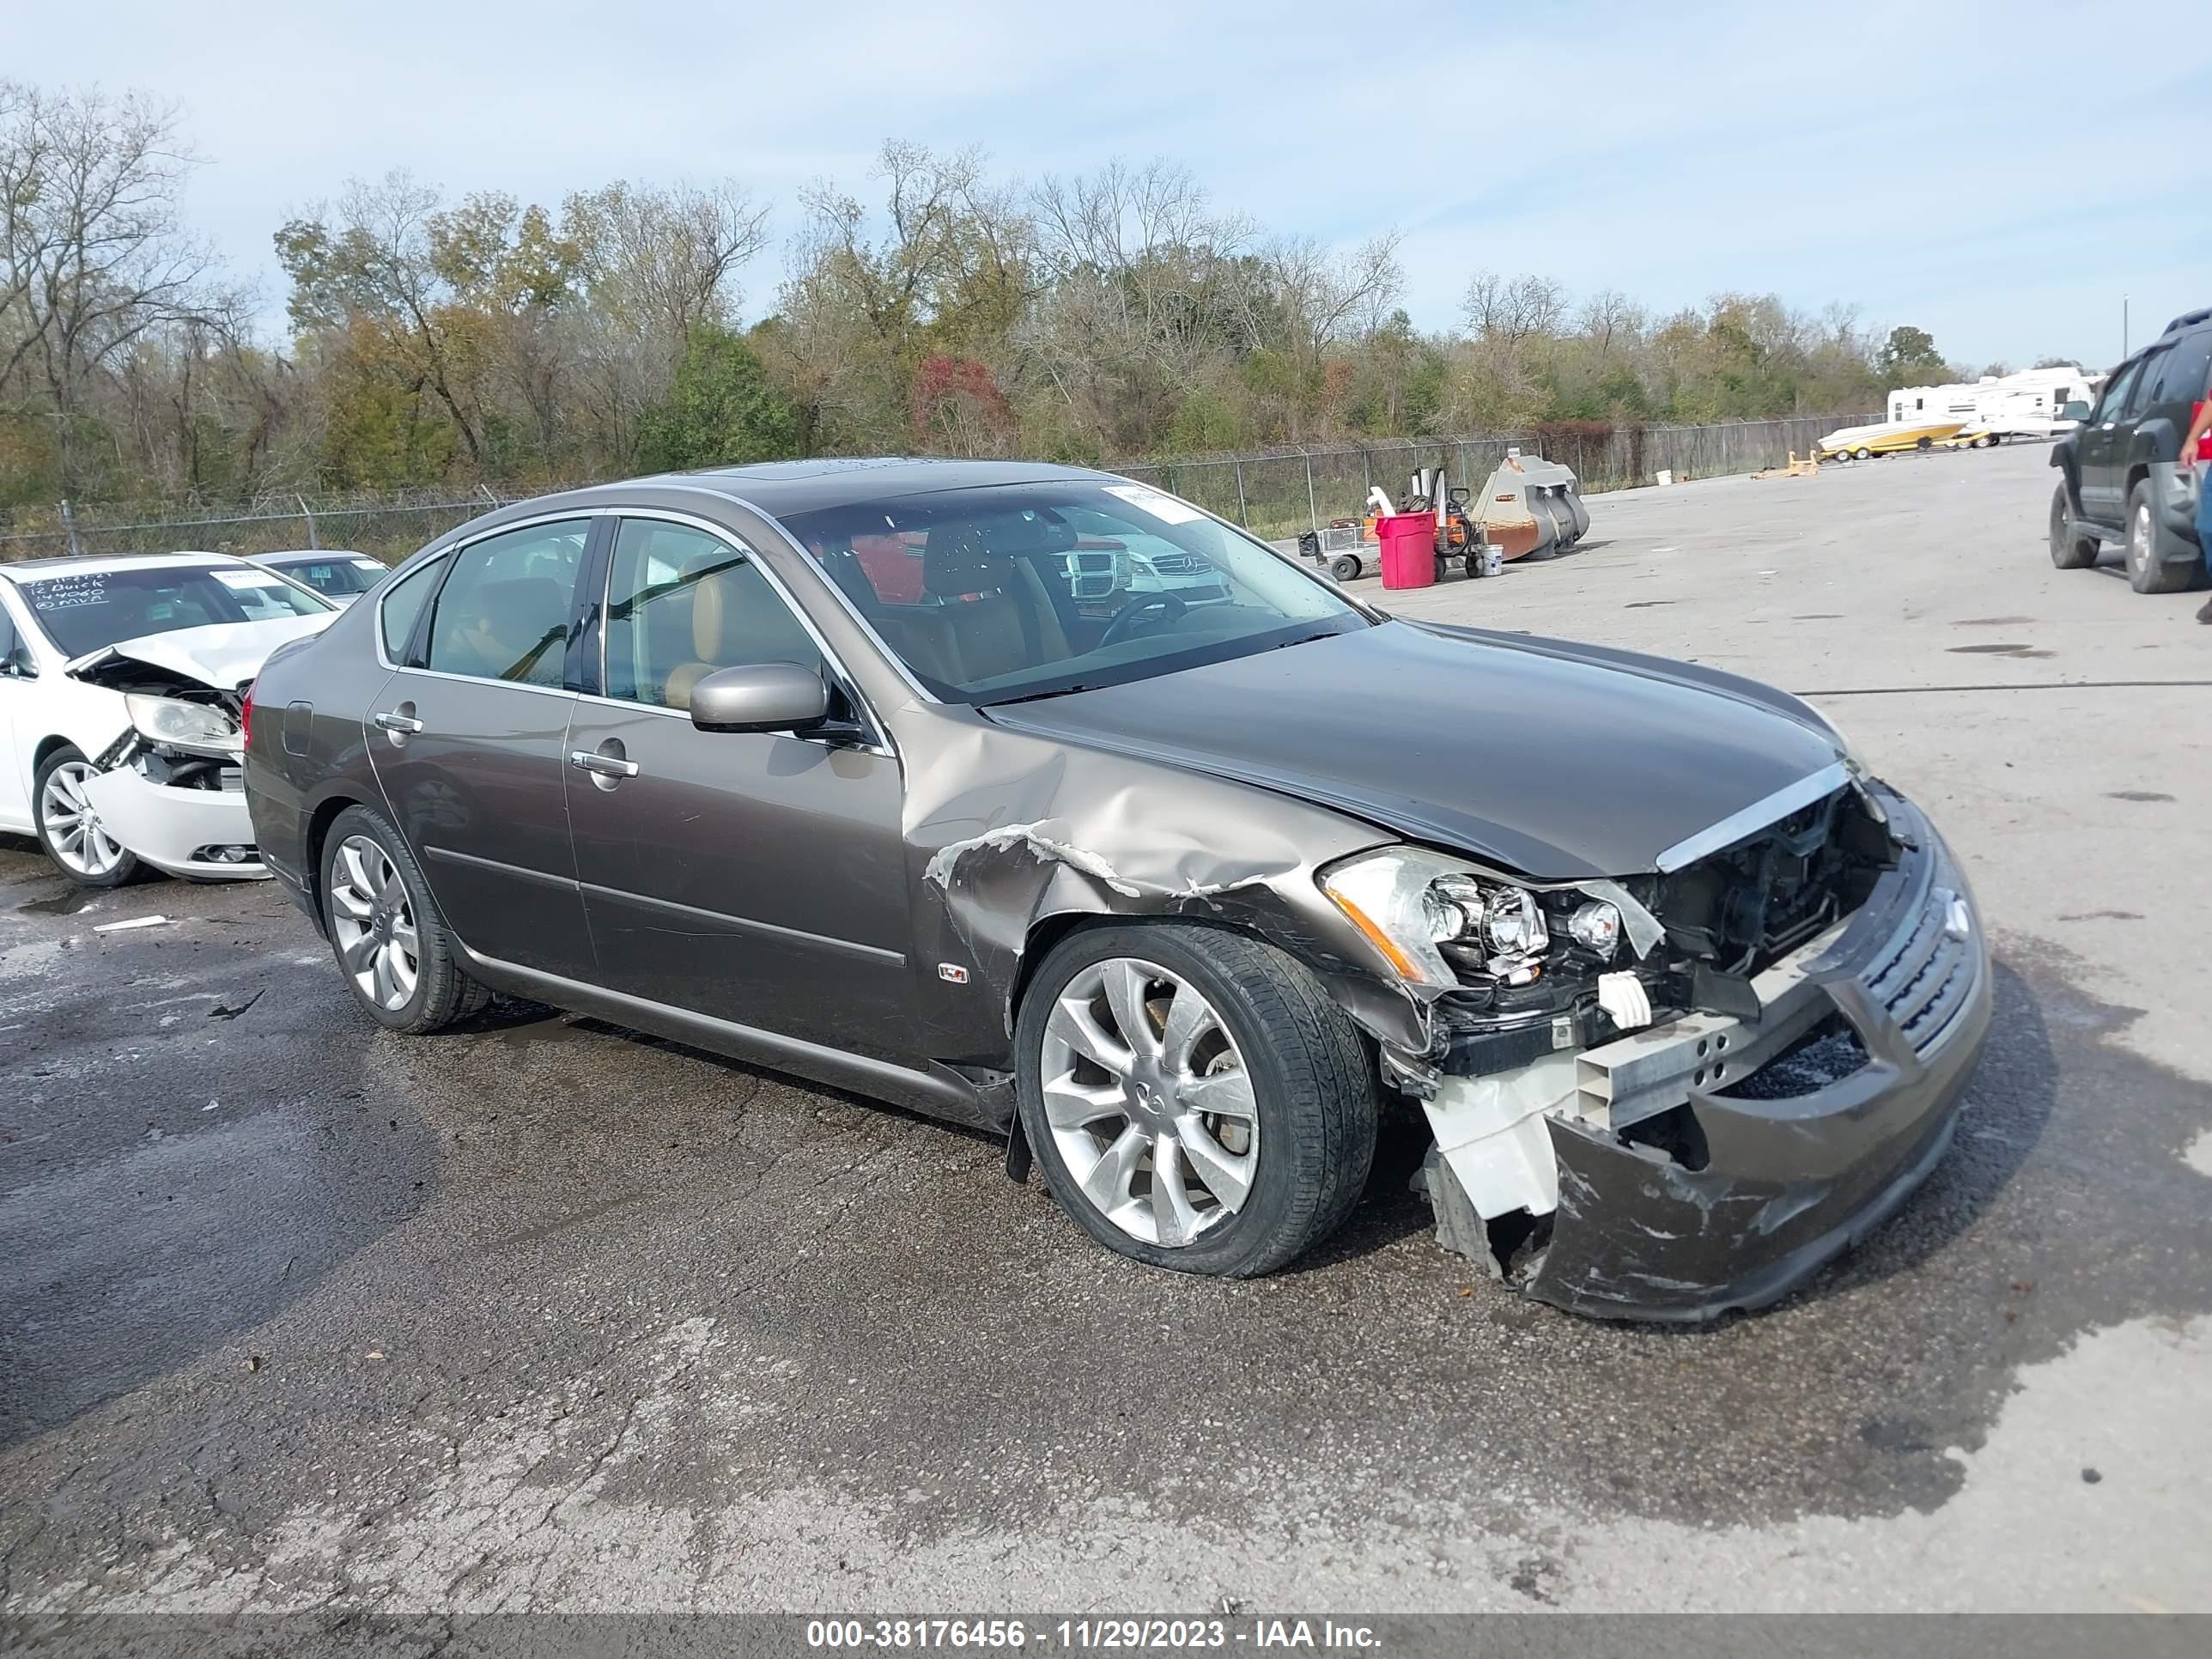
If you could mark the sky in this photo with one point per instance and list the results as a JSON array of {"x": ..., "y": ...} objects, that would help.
[{"x": 2003, "y": 175}]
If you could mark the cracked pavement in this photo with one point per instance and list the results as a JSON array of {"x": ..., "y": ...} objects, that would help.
[{"x": 542, "y": 1315}]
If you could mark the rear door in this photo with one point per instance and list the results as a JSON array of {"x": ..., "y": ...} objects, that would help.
[
  {"x": 751, "y": 877},
  {"x": 468, "y": 738}
]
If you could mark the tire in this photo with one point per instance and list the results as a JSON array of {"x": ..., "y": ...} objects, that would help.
[
  {"x": 70, "y": 828},
  {"x": 1299, "y": 1134},
  {"x": 1344, "y": 567},
  {"x": 2146, "y": 572},
  {"x": 1924, "y": 444},
  {"x": 2069, "y": 551},
  {"x": 374, "y": 896},
  {"x": 1861, "y": 454}
]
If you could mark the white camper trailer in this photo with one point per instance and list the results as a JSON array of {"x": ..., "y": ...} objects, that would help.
[{"x": 2028, "y": 404}]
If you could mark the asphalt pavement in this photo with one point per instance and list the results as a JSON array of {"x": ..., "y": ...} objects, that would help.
[{"x": 540, "y": 1315}]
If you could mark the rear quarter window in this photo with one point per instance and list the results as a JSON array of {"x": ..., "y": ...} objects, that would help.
[{"x": 402, "y": 608}]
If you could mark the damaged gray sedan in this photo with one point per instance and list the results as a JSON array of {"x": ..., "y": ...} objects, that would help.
[{"x": 856, "y": 769}]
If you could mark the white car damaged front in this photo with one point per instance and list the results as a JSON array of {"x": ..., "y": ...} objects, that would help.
[{"x": 163, "y": 779}]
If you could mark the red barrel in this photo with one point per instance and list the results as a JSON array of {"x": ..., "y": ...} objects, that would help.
[{"x": 1409, "y": 548}]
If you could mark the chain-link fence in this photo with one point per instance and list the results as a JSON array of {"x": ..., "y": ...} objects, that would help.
[
  {"x": 389, "y": 526},
  {"x": 1285, "y": 491},
  {"x": 1276, "y": 494}
]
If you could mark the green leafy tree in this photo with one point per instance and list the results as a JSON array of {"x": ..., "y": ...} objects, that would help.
[
  {"x": 1909, "y": 357},
  {"x": 721, "y": 411}
]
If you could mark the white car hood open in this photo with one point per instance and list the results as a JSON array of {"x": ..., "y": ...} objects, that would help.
[{"x": 224, "y": 655}]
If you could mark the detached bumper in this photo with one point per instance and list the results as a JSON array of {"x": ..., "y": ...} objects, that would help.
[
  {"x": 1783, "y": 1185},
  {"x": 167, "y": 826}
]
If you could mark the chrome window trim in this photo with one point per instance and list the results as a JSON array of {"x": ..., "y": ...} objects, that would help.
[
  {"x": 1754, "y": 817},
  {"x": 729, "y": 537}
]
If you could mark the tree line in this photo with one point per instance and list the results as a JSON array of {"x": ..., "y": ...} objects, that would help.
[{"x": 936, "y": 307}]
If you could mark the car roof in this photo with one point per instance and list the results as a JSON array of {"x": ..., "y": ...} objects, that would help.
[
  {"x": 784, "y": 489},
  {"x": 303, "y": 555},
  {"x": 73, "y": 563}
]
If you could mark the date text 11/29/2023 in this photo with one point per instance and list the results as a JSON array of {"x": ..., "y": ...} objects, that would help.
[{"x": 1086, "y": 1635}]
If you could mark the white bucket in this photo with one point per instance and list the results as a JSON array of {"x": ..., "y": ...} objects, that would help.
[{"x": 1663, "y": 477}]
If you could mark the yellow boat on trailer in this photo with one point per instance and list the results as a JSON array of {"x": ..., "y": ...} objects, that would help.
[{"x": 1864, "y": 443}]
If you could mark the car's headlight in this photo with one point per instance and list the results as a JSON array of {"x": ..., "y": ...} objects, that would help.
[
  {"x": 1411, "y": 904},
  {"x": 194, "y": 725}
]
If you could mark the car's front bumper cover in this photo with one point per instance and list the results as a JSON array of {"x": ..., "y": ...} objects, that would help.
[
  {"x": 167, "y": 826},
  {"x": 1785, "y": 1185}
]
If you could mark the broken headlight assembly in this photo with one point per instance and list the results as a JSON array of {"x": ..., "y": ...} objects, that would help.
[
  {"x": 197, "y": 728},
  {"x": 1444, "y": 926}
]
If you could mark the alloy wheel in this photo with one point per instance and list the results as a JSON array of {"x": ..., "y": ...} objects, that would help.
[
  {"x": 372, "y": 924},
  {"x": 2139, "y": 539},
  {"x": 80, "y": 842},
  {"x": 1149, "y": 1101}
]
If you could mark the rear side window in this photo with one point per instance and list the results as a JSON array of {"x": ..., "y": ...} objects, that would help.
[
  {"x": 2138, "y": 398},
  {"x": 402, "y": 608},
  {"x": 2187, "y": 365},
  {"x": 503, "y": 614},
  {"x": 2115, "y": 391}
]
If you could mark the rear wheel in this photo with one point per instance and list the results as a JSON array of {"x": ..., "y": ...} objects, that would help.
[
  {"x": 1344, "y": 567},
  {"x": 2070, "y": 551},
  {"x": 1195, "y": 1099},
  {"x": 70, "y": 828},
  {"x": 1862, "y": 454},
  {"x": 390, "y": 942},
  {"x": 2146, "y": 572}
]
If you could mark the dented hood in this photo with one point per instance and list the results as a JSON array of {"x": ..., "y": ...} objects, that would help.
[
  {"x": 224, "y": 655},
  {"x": 1556, "y": 760}
]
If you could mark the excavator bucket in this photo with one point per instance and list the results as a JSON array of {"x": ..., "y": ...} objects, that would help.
[{"x": 1532, "y": 507}]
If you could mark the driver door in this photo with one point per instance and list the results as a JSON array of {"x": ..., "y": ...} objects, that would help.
[{"x": 753, "y": 876}]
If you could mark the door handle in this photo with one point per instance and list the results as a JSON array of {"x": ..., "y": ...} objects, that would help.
[
  {"x": 604, "y": 766},
  {"x": 405, "y": 723}
]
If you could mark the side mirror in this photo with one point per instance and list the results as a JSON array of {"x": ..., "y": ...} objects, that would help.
[{"x": 768, "y": 697}]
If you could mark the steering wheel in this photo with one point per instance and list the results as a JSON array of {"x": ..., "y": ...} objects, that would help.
[{"x": 1124, "y": 623}]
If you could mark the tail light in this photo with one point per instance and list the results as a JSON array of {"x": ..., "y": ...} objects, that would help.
[{"x": 246, "y": 719}]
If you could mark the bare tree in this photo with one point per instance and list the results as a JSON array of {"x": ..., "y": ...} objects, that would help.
[{"x": 95, "y": 254}]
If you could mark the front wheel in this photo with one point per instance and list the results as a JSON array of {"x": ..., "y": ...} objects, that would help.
[
  {"x": 2146, "y": 572},
  {"x": 1195, "y": 1099},
  {"x": 384, "y": 927},
  {"x": 2069, "y": 549},
  {"x": 69, "y": 823},
  {"x": 1344, "y": 567}
]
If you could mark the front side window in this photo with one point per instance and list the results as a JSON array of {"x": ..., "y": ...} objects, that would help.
[
  {"x": 2138, "y": 394},
  {"x": 503, "y": 614},
  {"x": 82, "y": 610},
  {"x": 681, "y": 603},
  {"x": 988, "y": 595},
  {"x": 15, "y": 660}
]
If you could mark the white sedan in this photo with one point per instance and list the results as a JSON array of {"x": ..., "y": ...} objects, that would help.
[{"x": 123, "y": 687}]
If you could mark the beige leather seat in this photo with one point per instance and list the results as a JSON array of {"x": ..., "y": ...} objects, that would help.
[
  {"x": 995, "y": 618},
  {"x": 737, "y": 618}
]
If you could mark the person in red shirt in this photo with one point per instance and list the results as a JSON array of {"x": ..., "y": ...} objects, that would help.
[{"x": 2200, "y": 428}]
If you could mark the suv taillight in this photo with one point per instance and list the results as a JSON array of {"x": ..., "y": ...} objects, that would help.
[{"x": 245, "y": 720}]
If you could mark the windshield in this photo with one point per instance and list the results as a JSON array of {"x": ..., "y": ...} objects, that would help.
[
  {"x": 86, "y": 610},
  {"x": 1018, "y": 591},
  {"x": 339, "y": 577}
]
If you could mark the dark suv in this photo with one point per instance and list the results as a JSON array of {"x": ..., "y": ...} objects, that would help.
[{"x": 2123, "y": 477}]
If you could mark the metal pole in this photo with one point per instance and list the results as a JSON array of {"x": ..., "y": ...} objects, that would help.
[
  {"x": 68, "y": 523},
  {"x": 308, "y": 513},
  {"x": 1313, "y": 513},
  {"x": 2124, "y": 326},
  {"x": 1243, "y": 517}
]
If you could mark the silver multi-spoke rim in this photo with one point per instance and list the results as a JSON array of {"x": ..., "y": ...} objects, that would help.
[
  {"x": 1149, "y": 1103},
  {"x": 372, "y": 924},
  {"x": 80, "y": 842}
]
